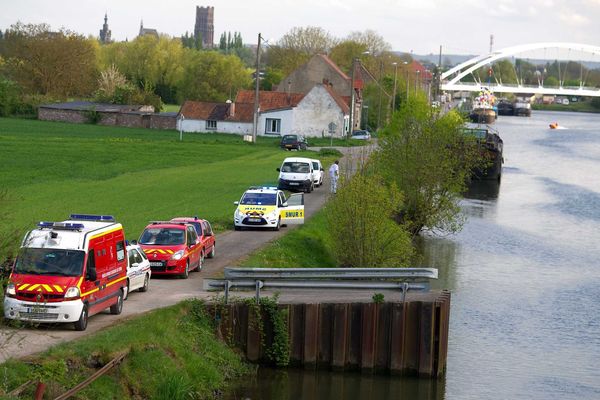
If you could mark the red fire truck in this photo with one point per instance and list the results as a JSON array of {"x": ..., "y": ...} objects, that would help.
[{"x": 68, "y": 271}]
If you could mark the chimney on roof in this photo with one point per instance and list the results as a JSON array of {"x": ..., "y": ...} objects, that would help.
[
  {"x": 231, "y": 110},
  {"x": 289, "y": 93}
]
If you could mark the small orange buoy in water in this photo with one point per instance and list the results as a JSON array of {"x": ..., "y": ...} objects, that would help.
[{"x": 554, "y": 125}]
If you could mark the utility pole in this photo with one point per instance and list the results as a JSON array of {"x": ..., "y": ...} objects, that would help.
[
  {"x": 395, "y": 64},
  {"x": 256, "y": 97},
  {"x": 351, "y": 120},
  {"x": 407, "y": 82},
  {"x": 380, "y": 93},
  {"x": 491, "y": 43}
]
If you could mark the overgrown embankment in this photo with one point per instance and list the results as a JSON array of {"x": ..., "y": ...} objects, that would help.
[{"x": 173, "y": 354}]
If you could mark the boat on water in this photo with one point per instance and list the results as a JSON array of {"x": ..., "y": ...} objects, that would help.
[
  {"x": 491, "y": 147},
  {"x": 483, "y": 108},
  {"x": 522, "y": 108},
  {"x": 506, "y": 107}
]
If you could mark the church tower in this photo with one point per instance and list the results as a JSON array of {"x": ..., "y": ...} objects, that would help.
[
  {"x": 105, "y": 32},
  {"x": 204, "y": 28}
]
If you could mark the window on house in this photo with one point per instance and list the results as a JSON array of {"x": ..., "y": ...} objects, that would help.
[
  {"x": 211, "y": 124},
  {"x": 273, "y": 126}
]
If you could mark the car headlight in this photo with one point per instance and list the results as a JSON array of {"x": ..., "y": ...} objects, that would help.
[
  {"x": 72, "y": 293},
  {"x": 178, "y": 255},
  {"x": 11, "y": 290}
]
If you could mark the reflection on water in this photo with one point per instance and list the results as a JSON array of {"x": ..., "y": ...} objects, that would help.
[
  {"x": 525, "y": 279},
  {"x": 482, "y": 190},
  {"x": 298, "y": 384}
]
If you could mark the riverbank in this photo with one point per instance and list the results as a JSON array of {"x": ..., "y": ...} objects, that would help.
[
  {"x": 172, "y": 353},
  {"x": 584, "y": 107}
]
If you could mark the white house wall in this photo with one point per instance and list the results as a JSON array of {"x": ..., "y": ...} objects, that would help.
[
  {"x": 195, "y": 125},
  {"x": 315, "y": 112},
  {"x": 287, "y": 121}
]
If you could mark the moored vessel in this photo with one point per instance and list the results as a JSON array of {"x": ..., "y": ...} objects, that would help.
[
  {"x": 491, "y": 147},
  {"x": 483, "y": 107}
]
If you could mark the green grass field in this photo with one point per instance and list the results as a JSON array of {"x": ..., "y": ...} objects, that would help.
[{"x": 52, "y": 169}]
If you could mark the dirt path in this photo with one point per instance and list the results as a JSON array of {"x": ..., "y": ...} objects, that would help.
[{"x": 231, "y": 247}]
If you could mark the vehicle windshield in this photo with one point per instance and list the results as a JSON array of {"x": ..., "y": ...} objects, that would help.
[
  {"x": 259, "y": 199},
  {"x": 289, "y": 138},
  {"x": 50, "y": 262},
  {"x": 163, "y": 236},
  {"x": 298, "y": 167}
]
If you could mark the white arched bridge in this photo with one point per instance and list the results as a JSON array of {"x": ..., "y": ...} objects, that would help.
[{"x": 451, "y": 79}]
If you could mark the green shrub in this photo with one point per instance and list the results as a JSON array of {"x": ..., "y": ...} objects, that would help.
[
  {"x": 329, "y": 151},
  {"x": 364, "y": 235},
  {"x": 92, "y": 115}
]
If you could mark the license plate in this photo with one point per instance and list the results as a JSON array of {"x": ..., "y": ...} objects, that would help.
[
  {"x": 156, "y": 264},
  {"x": 253, "y": 219},
  {"x": 288, "y": 145},
  {"x": 37, "y": 310},
  {"x": 294, "y": 183}
]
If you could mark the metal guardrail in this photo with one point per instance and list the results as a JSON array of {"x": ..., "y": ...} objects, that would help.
[{"x": 402, "y": 279}]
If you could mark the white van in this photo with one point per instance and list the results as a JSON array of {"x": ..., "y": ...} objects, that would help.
[
  {"x": 296, "y": 174},
  {"x": 318, "y": 172}
]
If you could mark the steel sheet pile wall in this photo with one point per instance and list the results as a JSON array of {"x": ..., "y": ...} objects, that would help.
[{"x": 405, "y": 338}]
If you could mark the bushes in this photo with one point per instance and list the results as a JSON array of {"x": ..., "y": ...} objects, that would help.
[{"x": 360, "y": 218}]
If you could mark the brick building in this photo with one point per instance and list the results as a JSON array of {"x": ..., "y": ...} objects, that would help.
[{"x": 132, "y": 116}]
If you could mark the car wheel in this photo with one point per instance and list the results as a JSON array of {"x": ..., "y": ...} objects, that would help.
[
  {"x": 237, "y": 228},
  {"x": 276, "y": 228},
  {"x": 126, "y": 294},
  {"x": 186, "y": 272},
  {"x": 116, "y": 308},
  {"x": 213, "y": 251},
  {"x": 81, "y": 323},
  {"x": 146, "y": 284}
]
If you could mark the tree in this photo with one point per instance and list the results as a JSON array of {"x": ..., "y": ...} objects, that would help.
[
  {"x": 363, "y": 232},
  {"x": 56, "y": 63},
  {"x": 429, "y": 159},
  {"x": 212, "y": 76},
  {"x": 374, "y": 43},
  {"x": 344, "y": 53},
  {"x": 297, "y": 46}
]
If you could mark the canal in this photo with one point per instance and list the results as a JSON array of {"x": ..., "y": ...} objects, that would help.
[{"x": 525, "y": 278}]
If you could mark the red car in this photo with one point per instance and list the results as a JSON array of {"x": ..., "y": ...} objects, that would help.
[
  {"x": 206, "y": 237},
  {"x": 172, "y": 248}
]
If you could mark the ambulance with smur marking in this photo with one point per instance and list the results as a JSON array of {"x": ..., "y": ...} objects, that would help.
[
  {"x": 68, "y": 271},
  {"x": 267, "y": 207}
]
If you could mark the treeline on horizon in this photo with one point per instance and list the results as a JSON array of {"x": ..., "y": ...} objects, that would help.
[{"x": 40, "y": 65}]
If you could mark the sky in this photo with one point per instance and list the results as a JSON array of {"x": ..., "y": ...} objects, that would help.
[{"x": 420, "y": 26}]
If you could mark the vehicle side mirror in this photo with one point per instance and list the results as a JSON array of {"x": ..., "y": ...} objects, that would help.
[
  {"x": 91, "y": 275},
  {"x": 284, "y": 204},
  {"x": 236, "y": 203},
  {"x": 322, "y": 169},
  {"x": 133, "y": 241},
  {"x": 278, "y": 169}
]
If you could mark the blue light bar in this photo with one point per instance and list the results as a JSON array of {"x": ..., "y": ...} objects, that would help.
[
  {"x": 61, "y": 225},
  {"x": 68, "y": 226},
  {"x": 91, "y": 217}
]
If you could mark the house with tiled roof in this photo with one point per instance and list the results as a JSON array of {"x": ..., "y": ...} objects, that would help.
[
  {"x": 320, "y": 69},
  {"x": 280, "y": 113}
]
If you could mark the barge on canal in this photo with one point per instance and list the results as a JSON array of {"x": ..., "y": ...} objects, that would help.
[{"x": 491, "y": 147}]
